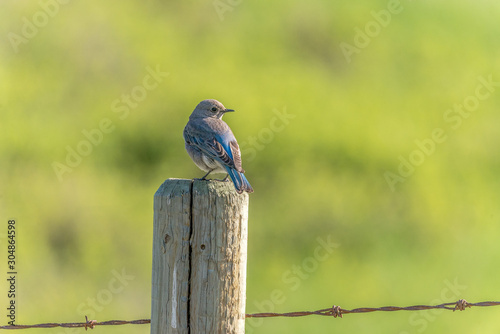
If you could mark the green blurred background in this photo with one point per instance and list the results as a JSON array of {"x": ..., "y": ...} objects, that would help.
[{"x": 431, "y": 239}]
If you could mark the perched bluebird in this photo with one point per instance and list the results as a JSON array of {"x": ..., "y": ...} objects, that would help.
[{"x": 212, "y": 145}]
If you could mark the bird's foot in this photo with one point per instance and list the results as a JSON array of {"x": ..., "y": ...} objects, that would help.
[{"x": 204, "y": 176}]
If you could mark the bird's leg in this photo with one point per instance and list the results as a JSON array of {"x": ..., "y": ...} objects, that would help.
[
  {"x": 224, "y": 179},
  {"x": 204, "y": 176}
]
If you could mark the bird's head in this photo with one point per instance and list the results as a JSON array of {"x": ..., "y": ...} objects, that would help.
[{"x": 209, "y": 108}]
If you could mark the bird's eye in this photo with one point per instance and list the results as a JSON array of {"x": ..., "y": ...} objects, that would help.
[{"x": 214, "y": 109}]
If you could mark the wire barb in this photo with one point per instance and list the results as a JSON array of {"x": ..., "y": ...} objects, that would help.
[
  {"x": 336, "y": 311},
  {"x": 461, "y": 305},
  {"x": 90, "y": 323}
]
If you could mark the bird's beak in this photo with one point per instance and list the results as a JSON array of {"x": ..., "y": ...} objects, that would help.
[{"x": 228, "y": 110}]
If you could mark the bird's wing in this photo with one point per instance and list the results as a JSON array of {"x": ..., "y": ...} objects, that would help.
[
  {"x": 214, "y": 145},
  {"x": 230, "y": 146},
  {"x": 235, "y": 149}
]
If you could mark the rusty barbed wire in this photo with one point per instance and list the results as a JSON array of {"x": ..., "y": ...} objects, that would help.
[
  {"x": 334, "y": 311},
  {"x": 337, "y": 311},
  {"x": 87, "y": 324}
]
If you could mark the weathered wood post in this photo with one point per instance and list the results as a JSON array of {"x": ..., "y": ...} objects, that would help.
[{"x": 199, "y": 258}]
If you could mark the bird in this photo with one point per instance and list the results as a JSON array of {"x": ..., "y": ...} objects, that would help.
[{"x": 212, "y": 146}]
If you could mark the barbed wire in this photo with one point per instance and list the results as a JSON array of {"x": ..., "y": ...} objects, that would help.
[
  {"x": 87, "y": 324},
  {"x": 334, "y": 311},
  {"x": 337, "y": 311}
]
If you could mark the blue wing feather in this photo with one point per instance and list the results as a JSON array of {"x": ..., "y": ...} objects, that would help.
[
  {"x": 219, "y": 147},
  {"x": 224, "y": 140}
]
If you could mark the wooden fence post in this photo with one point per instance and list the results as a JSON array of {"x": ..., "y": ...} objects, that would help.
[{"x": 199, "y": 258}]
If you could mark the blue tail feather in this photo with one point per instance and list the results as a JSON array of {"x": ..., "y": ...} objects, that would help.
[{"x": 240, "y": 182}]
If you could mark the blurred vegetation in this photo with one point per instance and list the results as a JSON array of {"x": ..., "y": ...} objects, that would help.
[{"x": 320, "y": 175}]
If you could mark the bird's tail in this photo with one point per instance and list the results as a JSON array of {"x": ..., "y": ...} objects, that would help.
[{"x": 240, "y": 181}]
